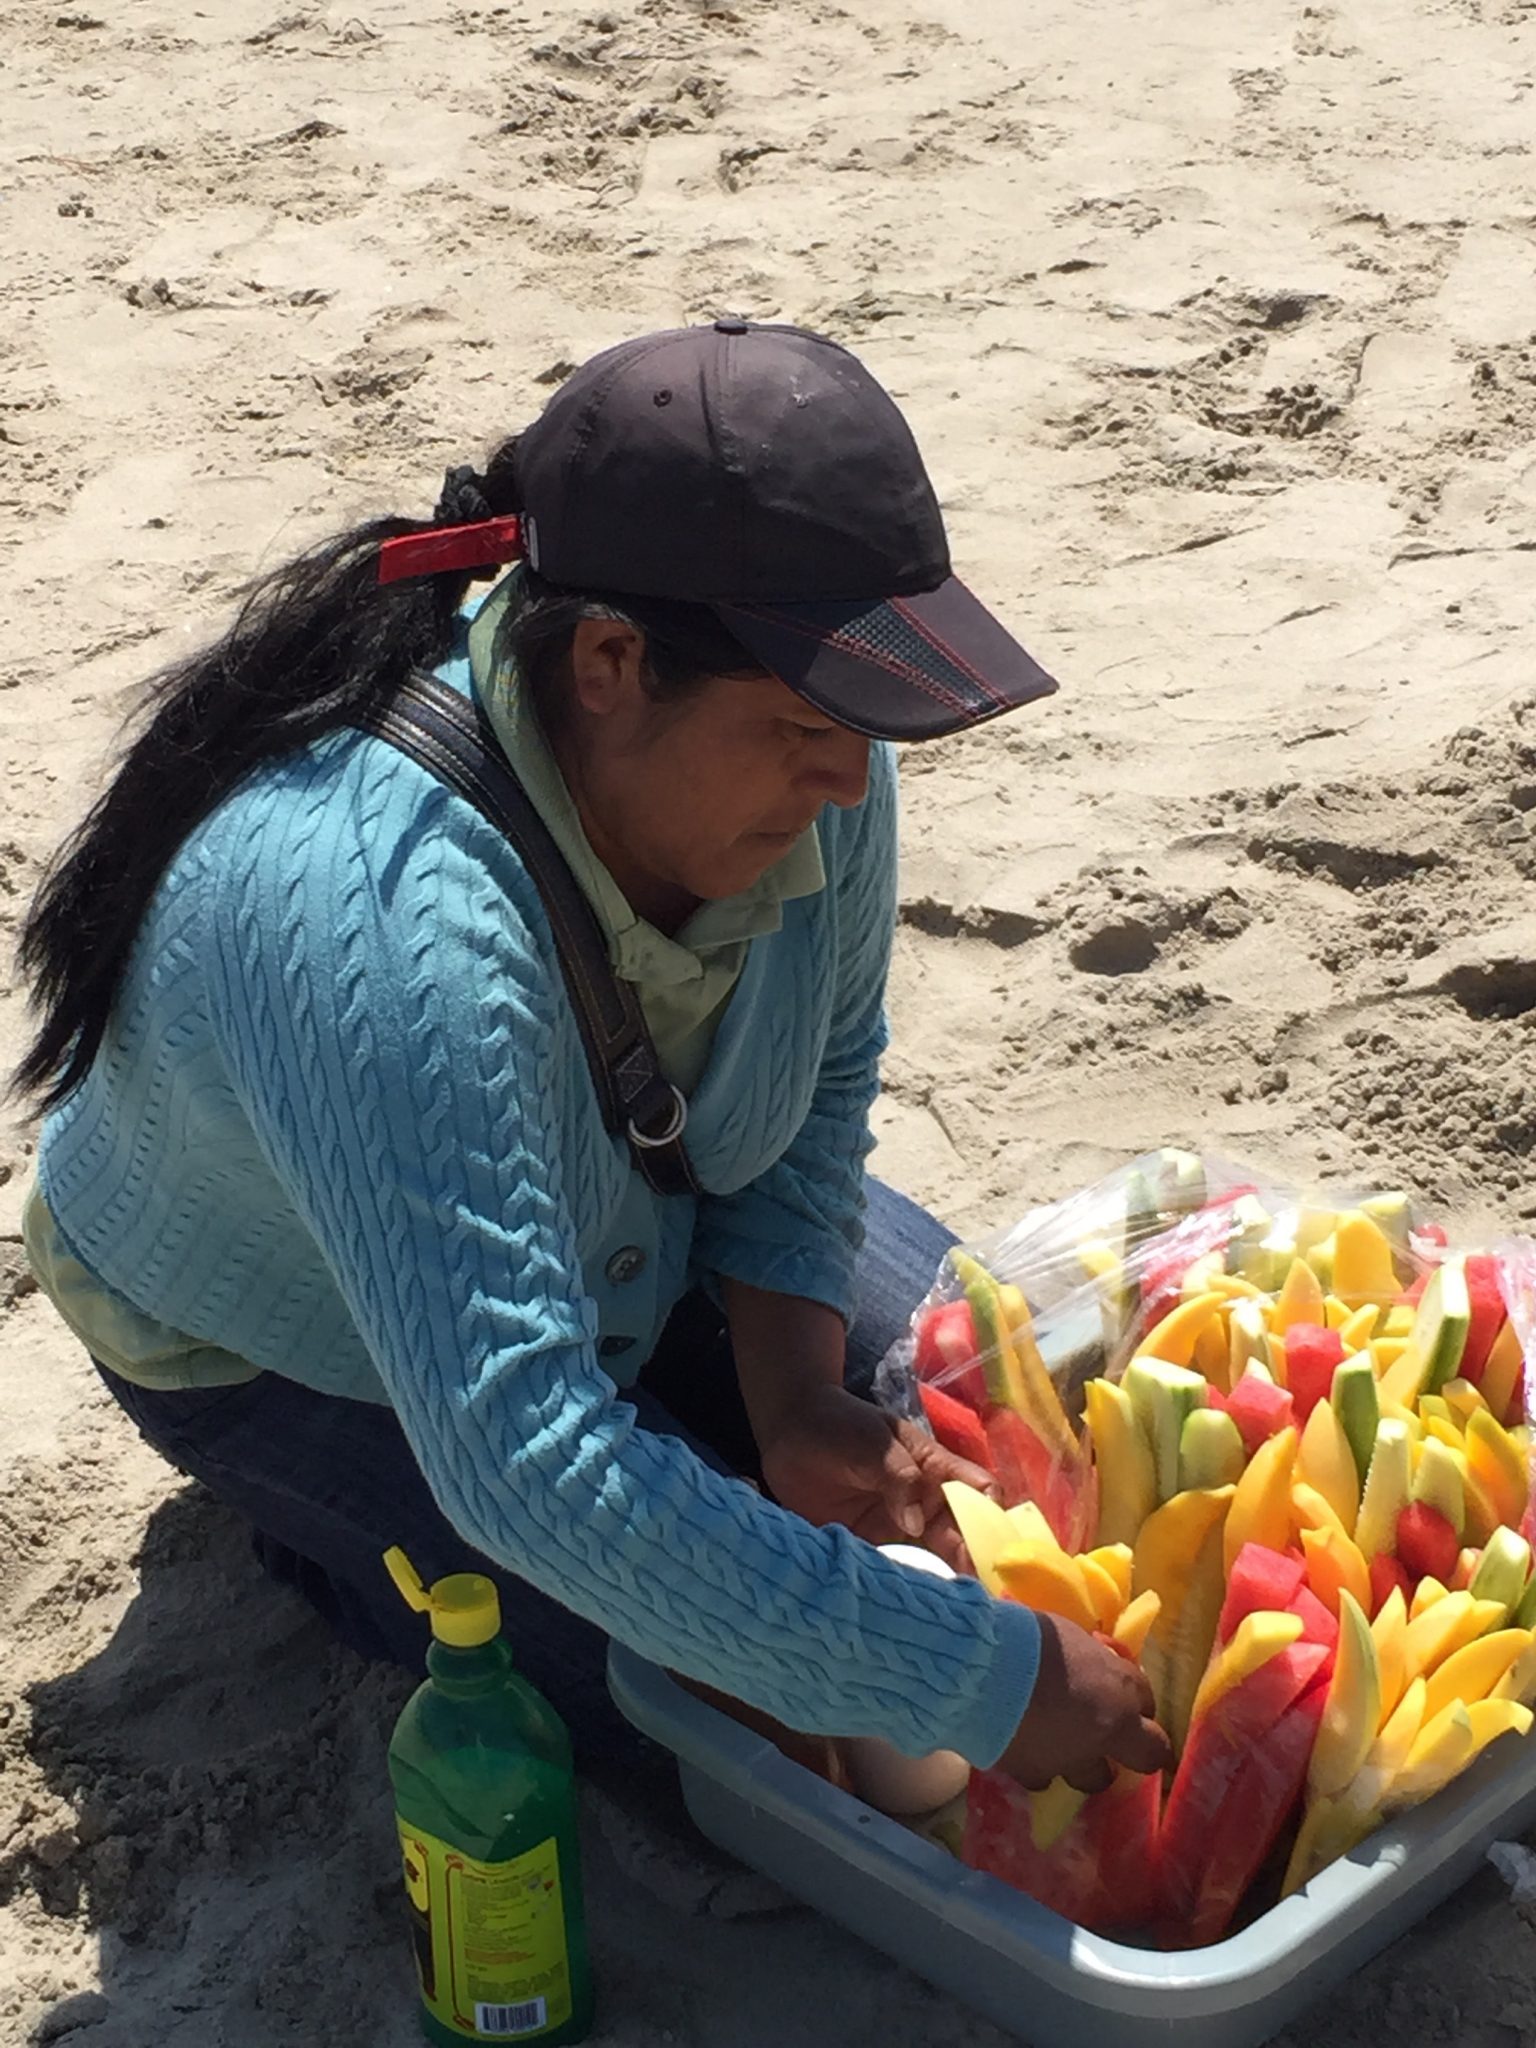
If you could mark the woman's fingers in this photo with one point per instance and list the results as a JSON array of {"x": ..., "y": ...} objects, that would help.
[
  {"x": 1143, "y": 1748},
  {"x": 1091, "y": 1777},
  {"x": 939, "y": 1464}
]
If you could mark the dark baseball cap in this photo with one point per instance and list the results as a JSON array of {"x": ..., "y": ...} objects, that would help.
[{"x": 761, "y": 470}]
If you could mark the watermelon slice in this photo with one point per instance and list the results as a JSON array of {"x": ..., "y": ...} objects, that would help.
[
  {"x": 1427, "y": 1544},
  {"x": 945, "y": 1352},
  {"x": 1487, "y": 1305},
  {"x": 1258, "y": 1407},
  {"x": 1065, "y": 1493},
  {"x": 1311, "y": 1355},
  {"x": 956, "y": 1425},
  {"x": 1317, "y": 1624},
  {"x": 1101, "y": 1873},
  {"x": 1205, "y": 1880},
  {"x": 1261, "y": 1581},
  {"x": 1237, "y": 1730}
]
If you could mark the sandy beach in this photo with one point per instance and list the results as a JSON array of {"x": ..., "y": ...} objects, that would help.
[{"x": 1217, "y": 327}]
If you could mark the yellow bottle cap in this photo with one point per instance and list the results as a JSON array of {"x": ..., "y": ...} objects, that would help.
[{"x": 463, "y": 1608}]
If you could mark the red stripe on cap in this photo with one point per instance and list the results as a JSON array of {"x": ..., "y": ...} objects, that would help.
[
  {"x": 950, "y": 654},
  {"x": 846, "y": 640},
  {"x": 480, "y": 546}
]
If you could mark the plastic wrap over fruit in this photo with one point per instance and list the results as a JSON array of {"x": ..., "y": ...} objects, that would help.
[{"x": 1277, "y": 1448}]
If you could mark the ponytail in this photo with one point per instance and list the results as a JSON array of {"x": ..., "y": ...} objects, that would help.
[{"x": 314, "y": 645}]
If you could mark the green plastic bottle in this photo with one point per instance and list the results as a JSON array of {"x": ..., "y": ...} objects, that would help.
[{"x": 485, "y": 1799}]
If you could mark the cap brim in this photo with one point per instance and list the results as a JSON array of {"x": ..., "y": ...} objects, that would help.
[{"x": 898, "y": 668}]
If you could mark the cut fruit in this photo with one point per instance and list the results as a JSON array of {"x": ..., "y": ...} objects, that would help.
[
  {"x": 1437, "y": 1339},
  {"x": 1163, "y": 1396},
  {"x": 1211, "y": 1450},
  {"x": 1261, "y": 1506},
  {"x": 1426, "y": 1544},
  {"x": 1123, "y": 1454},
  {"x": 1260, "y": 1581},
  {"x": 1324, "y": 1460},
  {"x": 1387, "y": 1490}
]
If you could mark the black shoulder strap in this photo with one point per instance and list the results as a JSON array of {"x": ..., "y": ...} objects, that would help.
[{"x": 448, "y": 735}]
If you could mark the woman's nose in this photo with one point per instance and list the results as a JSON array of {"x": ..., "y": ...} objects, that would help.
[{"x": 845, "y": 771}]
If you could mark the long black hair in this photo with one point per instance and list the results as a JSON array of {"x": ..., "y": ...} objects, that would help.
[{"x": 314, "y": 644}]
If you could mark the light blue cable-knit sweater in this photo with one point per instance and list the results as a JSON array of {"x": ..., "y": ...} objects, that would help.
[{"x": 343, "y": 1127}]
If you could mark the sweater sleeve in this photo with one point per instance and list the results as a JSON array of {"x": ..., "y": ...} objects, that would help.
[
  {"x": 797, "y": 1228},
  {"x": 394, "y": 1035}
]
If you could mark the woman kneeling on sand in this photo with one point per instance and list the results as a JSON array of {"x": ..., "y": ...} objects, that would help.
[{"x": 504, "y": 1197}]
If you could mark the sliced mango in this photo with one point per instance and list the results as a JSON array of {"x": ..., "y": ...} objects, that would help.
[
  {"x": 1247, "y": 1340},
  {"x": 1440, "y": 1631},
  {"x": 1178, "y": 1555},
  {"x": 1052, "y": 1812},
  {"x": 984, "y": 1527},
  {"x": 1116, "y": 1559},
  {"x": 1261, "y": 1505},
  {"x": 1029, "y": 1524},
  {"x": 1300, "y": 1300},
  {"x": 1519, "y": 1681},
  {"x": 1335, "y": 1566},
  {"x": 1445, "y": 1745},
  {"x": 1309, "y": 1510},
  {"x": 1363, "y": 1269},
  {"x": 1138, "y": 1617},
  {"x": 1123, "y": 1454},
  {"x": 1044, "y": 1407},
  {"x": 1390, "y": 1631},
  {"x": 1352, "y": 1712},
  {"x": 1104, "y": 1595},
  {"x": 1385, "y": 1352},
  {"x": 1211, "y": 1356},
  {"x": 1360, "y": 1328},
  {"x": 1463, "y": 1400},
  {"x": 1045, "y": 1578},
  {"x": 1325, "y": 1460},
  {"x": 1391, "y": 1749},
  {"x": 1332, "y": 1827},
  {"x": 1472, "y": 1672},
  {"x": 1499, "y": 1465},
  {"x": 1425, "y": 1594},
  {"x": 1173, "y": 1339}
]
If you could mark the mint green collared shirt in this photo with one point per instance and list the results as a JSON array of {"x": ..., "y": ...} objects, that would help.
[{"x": 685, "y": 982}]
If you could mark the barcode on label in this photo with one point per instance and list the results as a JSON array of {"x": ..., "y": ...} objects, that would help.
[{"x": 511, "y": 2020}]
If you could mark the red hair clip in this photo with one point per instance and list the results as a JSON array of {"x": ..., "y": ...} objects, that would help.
[{"x": 480, "y": 546}]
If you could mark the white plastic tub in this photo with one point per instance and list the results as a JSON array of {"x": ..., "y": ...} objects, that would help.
[{"x": 1032, "y": 1972}]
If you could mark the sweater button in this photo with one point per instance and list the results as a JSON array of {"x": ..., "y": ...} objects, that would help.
[{"x": 626, "y": 1264}]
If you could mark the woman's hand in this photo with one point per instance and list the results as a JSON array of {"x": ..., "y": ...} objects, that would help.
[
  {"x": 1091, "y": 1707},
  {"x": 835, "y": 1458}
]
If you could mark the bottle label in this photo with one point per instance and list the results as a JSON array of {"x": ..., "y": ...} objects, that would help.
[{"x": 489, "y": 1938}]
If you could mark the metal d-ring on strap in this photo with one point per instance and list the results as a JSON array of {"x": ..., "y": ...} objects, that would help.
[
  {"x": 447, "y": 734},
  {"x": 677, "y": 1123}
]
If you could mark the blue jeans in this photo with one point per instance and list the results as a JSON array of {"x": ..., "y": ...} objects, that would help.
[{"x": 329, "y": 1484}]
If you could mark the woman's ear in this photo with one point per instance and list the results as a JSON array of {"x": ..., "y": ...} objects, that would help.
[{"x": 607, "y": 666}]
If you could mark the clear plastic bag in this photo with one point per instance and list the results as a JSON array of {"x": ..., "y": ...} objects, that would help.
[{"x": 1277, "y": 1447}]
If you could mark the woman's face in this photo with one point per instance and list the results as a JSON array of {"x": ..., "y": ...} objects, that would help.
[{"x": 702, "y": 796}]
